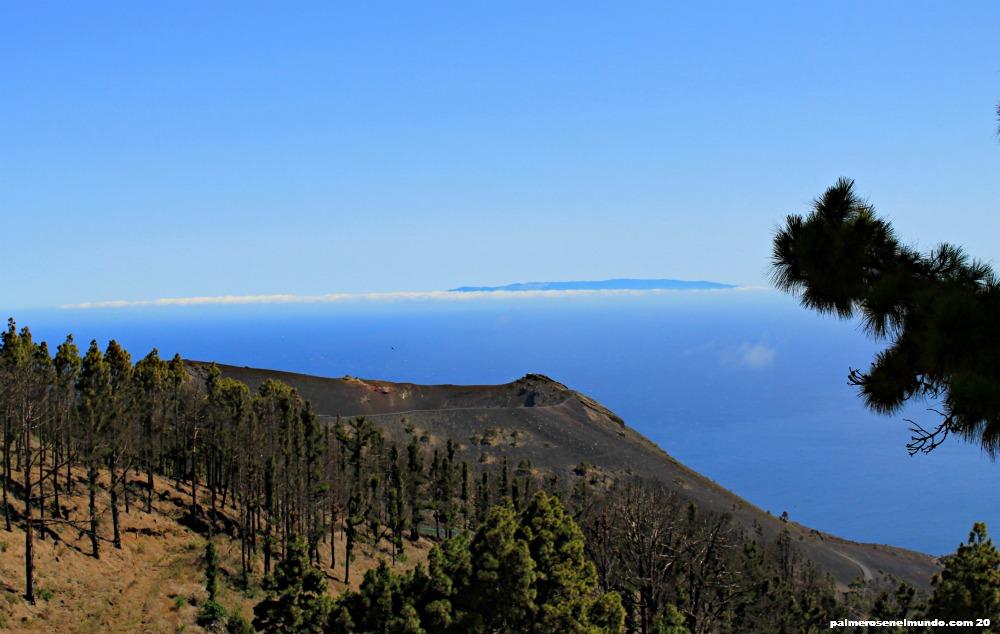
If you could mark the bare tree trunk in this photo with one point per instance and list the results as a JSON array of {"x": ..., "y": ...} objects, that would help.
[
  {"x": 6, "y": 472},
  {"x": 29, "y": 529},
  {"x": 194, "y": 475},
  {"x": 267, "y": 545},
  {"x": 243, "y": 547},
  {"x": 213, "y": 483},
  {"x": 69, "y": 470},
  {"x": 347, "y": 557},
  {"x": 149, "y": 485},
  {"x": 225, "y": 489},
  {"x": 92, "y": 486},
  {"x": 333, "y": 533},
  {"x": 113, "y": 491},
  {"x": 55, "y": 478},
  {"x": 41, "y": 487}
]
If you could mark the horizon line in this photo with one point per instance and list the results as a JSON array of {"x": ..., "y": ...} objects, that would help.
[{"x": 329, "y": 298}]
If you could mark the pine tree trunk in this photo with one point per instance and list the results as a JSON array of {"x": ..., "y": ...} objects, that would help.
[
  {"x": 149, "y": 487},
  {"x": 150, "y": 456},
  {"x": 69, "y": 470},
  {"x": 194, "y": 477},
  {"x": 211, "y": 519},
  {"x": 225, "y": 489},
  {"x": 643, "y": 616},
  {"x": 113, "y": 490},
  {"x": 125, "y": 490},
  {"x": 6, "y": 473},
  {"x": 243, "y": 553},
  {"x": 92, "y": 486},
  {"x": 347, "y": 556},
  {"x": 29, "y": 529},
  {"x": 55, "y": 479},
  {"x": 333, "y": 532},
  {"x": 41, "y": 489},
  {"x": 267, "y": 545}
]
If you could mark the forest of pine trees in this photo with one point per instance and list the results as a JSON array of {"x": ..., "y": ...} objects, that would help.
[{"x": 516, "y": 550}]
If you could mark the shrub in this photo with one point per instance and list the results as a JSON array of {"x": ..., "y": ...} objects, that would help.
[
  {"x": 236, "y": 624},
  {"x": 210, "y": 614}
]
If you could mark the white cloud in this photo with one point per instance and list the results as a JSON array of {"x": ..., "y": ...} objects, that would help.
[
  {"x": 383, "y": 297},
  {"x": 756, "y": 356}
]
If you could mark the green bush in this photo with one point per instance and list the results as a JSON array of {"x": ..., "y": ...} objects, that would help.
[
  {"x": 211, "y": 613},
  {"x": 236, "y": 624}
]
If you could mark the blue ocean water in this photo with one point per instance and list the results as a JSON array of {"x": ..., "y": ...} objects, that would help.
[{"x": 743, "y": 386}]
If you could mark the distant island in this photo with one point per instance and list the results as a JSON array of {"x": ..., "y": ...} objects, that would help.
[{"x": 600, "y": 285}]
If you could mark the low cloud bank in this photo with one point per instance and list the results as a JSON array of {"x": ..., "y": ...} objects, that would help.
[{"x": 332, "y": 298}]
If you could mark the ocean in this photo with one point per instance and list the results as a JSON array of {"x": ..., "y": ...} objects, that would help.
[{"x": 745, "y": 387}]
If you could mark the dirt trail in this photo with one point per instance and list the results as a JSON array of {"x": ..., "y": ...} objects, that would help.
[{"x": 865, "y": 571}]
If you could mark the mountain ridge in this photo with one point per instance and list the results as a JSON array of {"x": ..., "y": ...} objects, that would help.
[{"x": 538, "y": 419}]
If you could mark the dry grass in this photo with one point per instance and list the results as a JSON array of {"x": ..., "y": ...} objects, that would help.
[{"x": 153, "y": 584}]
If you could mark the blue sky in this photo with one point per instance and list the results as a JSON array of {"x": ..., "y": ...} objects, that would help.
[{"x": 168, "y": 150}]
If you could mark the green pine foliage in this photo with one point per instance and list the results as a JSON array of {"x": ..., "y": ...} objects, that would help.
[
  {"x": 670, "y": 621},
  {"x": 296, "y": 599},
  {"x": 237, "y": 624},
  {"x": 937, "y": 311},
  {"x": 520, "y": 572},
  {"x": 211, "y": 570},
  {"x": 969, "y": 584},
  {"x": 211, "y": 614}
]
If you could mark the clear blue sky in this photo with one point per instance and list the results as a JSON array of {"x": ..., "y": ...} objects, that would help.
[{"x": 169, "y": 149}]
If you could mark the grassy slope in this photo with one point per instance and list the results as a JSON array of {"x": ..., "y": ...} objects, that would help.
[
  {"x": 556, "y": 428},
  {"x": 153, "y": 584}
]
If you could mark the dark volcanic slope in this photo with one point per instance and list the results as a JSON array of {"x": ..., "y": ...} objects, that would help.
[{"x": 556, "y": 428}]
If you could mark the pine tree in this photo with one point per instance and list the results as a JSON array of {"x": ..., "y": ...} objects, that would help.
[
  {"x": 501, "y": 596},
  {"x": 313, "y": 441},
  {"x": 211, "y": 612},
  {"x": 26, "y": 377},
  {"x": 504, "y": 491},
  {"x": 414, "y": 486},
  {"x": 969, "y": 584},
  {"x": 491, "y": 583},
  {"x": 385, "y": 603},
  {"x": 119, "y": 406},
  {"x": 395, "y": 504},
  {"x": 670, "y": 621},
  {"x": 483, "y": 498},
  {"x": 211, "y": 570},
  {"x": 937, "y": 311},
  {"x": 150, "y": 376},
  {"x": 67, "y": 369},
  {"x": 296, "y": 602},
  {"x": 465, "y": 495},
  {"x": 565, "y": 585},
  {"x": 94, "y": 387}
]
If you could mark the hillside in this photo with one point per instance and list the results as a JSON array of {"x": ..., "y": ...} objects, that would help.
[
  {"x": 154, "y": 583},
  {"x": 557, "y": 429}
]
